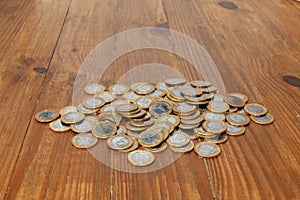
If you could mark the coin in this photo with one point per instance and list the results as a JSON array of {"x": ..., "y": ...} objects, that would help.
[
  {"x": 197, "y": 120},
  {"x": 234, "y": 101},
  {"x": 201, "y": 84},
  {"x": 203, "y": 97},
  {"x": 175, "y": 94},
  {"x": 175, "y": 81},
  {"x": 157, "y": 149},
  {"x": 119, "y": 89},
  {"x": 255, "y": 109},
  {"x": 157, "y": 93},
  {"x": 144, "y": 102},
  {"x": 131, "y": 96},
  {"x": 144, "y": 88},
  {"x": 209, "y": 89},
  {"x": 265, "y": 119},
  {"x": 133, "y": 134},
  {"x": 121, "y": 130},
  {"x": 126, "y": 108},
  {"x": 104, "y": 130},
  {"x": 239, "y": 95},
  {"x": 73, "y": 117},
  {"x": 183, "y": 108},
  {"x": 213, "y": 116},
  {"x": 83, "y": 126},
  {"x": 214, "y": 126},
  {"x": 93, "y": 88},
  {"x": 218, "y": 97},
  {"x": 217, "y": 138},
  {"x": 119, "y": 142},
  {"x": 166, "y": 124},
  {"x": 178, "y": 139},
  {"x": 160, "y": 108},
  {"x": 131, "y": 127},
  {"x": 144, "y": 118},
  {"x": 164, "y": 131},
  {"x": 218, "y": 106},
  {"x": 85, "y": 110},
  {"x": 150, "y": 138},
  {"x": 93, "y": 103},
  {"x": 133, "y": 147},
  {"x": 188, "y": 126},
  {"x": 184, "y": 149},
  {"x": 148, "y": 122},
  {"x": 106, "y": 96},
  {"x": 84, "y": 140},
  {"x": 190, "y": 132},
  {"x": 46, "y": 115},
  {"x": 140, "y": 114},
  {"x": 200, "y": 132},
  {"x": 109, "y": 108},
  {"x": 141, "y": 158},
  {"x": 109, "y": 117},
  {"x": 91, "y": 118},
  {"x": 191, "y": 116},
  {"x": 207, "y": 149},
  {"x": 58, "y": 126},
  {"x": 162, "y": 86},
  {"x": 237, "y": 119},
  {"x": 191, "y": 92},
  {"x": 68, "y": 109},
  {"x": 232, "y": 110},
  {"x": 119, "y": 102},
  {"x": 235, "y": 130},
  {"x": 175, "y": 120}
]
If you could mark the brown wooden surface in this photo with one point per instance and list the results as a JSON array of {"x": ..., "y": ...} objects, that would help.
[{"x": 43, "y": 43}]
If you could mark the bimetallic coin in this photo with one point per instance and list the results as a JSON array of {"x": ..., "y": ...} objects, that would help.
[
  {"x": 265, "y": 119},
  {"x": 239, "y": 95},
  {"x": 148, "y": 122},
  {"x": 119, "y": 102},
  {"x": 144, "y": 88},
  {"x": 131, "y": 127},
  {"x": 83, "y": 126},
  {"x": 210, "y": 89},
  {"x": 234, "y": 101},
  {"x": 232, "y": 110},
  {"x": 144, "y": 102},
  {"x": 139, "y": 114},
  {"x": 68, "y": 109},
  {"x": 182, "y": 108},
  {"x": 108, "y": 109},
  {"x": 237, "y": 119},
  {"x": 207, "y": 149},
  {"x": 162, "y": 86},
  {"x": 109, "y": 117},
  {"x": 126, "y": 108},
  {"x": 58, "y": 126},
  {"x": 184, "y": 149},
  {"x": 175, "y": 120},
  {"x": 46, "y": 116},
  {"x": 93, "y": 88},
  {"x": 141, "y": 158},
  {"x": 73, "y": 117},
  {"x": 217, "y": 138},
  {"x": 104, "y": 130},
  {"x": 157, "y": 149},
  {"x": 202, "y": 98},
  {"x": 157, "y": 93},
  {"x": 175, "y": 81},
  {"x": 84, "y": 140},
  {"x": 218, "y": 97},
  {"x": 150, "y": 138},
  {"x": 91, "y": 118},
  {"x": 194, "y": 121},
  {"x": 175, "y": 94},
  {"x": 193, "y": 92},
  {"x": 218, "y": 106},
  {"x": 119, "y": 89},
  {"x": 178, "y": 139},
  {"x": 85, "y": 110},
  {"x": 93, "y": 103},
  {"x": 214, "y": 126},
  {"x": 235, "y": 130},
  {"x": 190, "y": 132},
  {"x": 119, "y": 142},
  {"x": 106, "y": 96},
  {"x": 213, "y": 116},
  {"x": 164, "y": 131},
  {"x": 121, "y": 130},
  {"x": 255, "y": 109},
  {"x": 160, "y": 108},
  {"x": 166, "y": 124},
  {"x": 133, "y": 147},
  {"x": 133, "y": 134},
  {"x": 188, "y": 126},
  {"x": 191, "y": 116},
  {"x": 144, "y": 118},
  {"x": 131, "y": 96},
  {"x": 201, "y": 84}
]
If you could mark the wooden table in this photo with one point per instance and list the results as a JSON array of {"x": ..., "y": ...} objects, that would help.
[{"x": 255, "y": 44}]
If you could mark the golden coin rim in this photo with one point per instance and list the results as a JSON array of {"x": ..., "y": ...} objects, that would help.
[
  {"x": 84, "y": 147},
  {"x": 217, "y": 111},
  {"x": 169, "y": 142},
  {"x": 163, "y": 147},
  {"x": 72, "y": 122},
  {"x": 160, "y": 140},
  {"x": 261, "y": 122},
  {"x": 265, "y": 110},
  {"x": 67, "y": 128},
  {"x": 110, "y": 145},
  {"x": 159, "y": 115},
  {"x": 48, "y": 120},
  {"x": 113, "y": 96},
  {"x": 133, "y": 147},
  {"x": 84, "y": 103},
  {"x": 207, "y": 156},
  {"x": 86, "y": 91},
  {"x": 205, "y": 127},
  {"x": 152, "y": 158},
  {"x": 237, "y": 124},
  {"x": 241, "y": 132},
  {"x": 73, "y": 128},
  {"x": 177, "y": 150},
  {"x": 127, "y": 89},
  {"x": 113, "y": 132}
]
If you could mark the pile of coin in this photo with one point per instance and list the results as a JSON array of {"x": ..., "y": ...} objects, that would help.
[{"x": 145, "y": 118}]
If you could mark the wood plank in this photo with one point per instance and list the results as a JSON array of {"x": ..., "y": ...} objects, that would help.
[
  {"x": 252, "y": 45},
  {"x": 25, "y": 55}
]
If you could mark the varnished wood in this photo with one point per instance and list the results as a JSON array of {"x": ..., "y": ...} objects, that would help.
[{"x": 253, "y": 43}]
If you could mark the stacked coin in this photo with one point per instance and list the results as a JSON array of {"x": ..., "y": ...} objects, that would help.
[{"x": 154, "y": 117}]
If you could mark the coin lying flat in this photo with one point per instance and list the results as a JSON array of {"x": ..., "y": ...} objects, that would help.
[
  {"x": 218, "y": 106},
  {"x": 46, "y": 116},
  {"x": 213, "y": 116},
  {"x": 265, "y": 119},
  {"x": 144, "y": 88},
  {"x": 133, "y": 147},
  {"x": 82, "y": 127},
  {"x": 84, "y": 140},
  {"x": 150, "y": 138},
  {"x": 186, "y": 148},
  {"x": 85, "y": 110},
  {"x": 178, "y": 139},
  {"x": 131, "y": 127},
  {"x": 175, "y": 94},
  {"x": 131, "y": 96},
  {"x": 106, "y": 96},
  {"x": 141, "y": 158},
  {"x": 218, "y": 97},
  {"x": 175, "y": 120},
  {"x": 93, "y": 88},
  {"x": 255, "y": 109},
  {"x": 104, "y": 130},
  {"x": 144, "y": 118},
  {"x": 201, "y": 84},
  {"x": 119, "y": 142},
  {"x": 157, "y": 93},
  {"x": 191, "y": 92},
  {"x": 164, "y": 131},
  {"x": 237, "y": 119},
  {"x": 184, "y": 108},
  {"x": 134, "y": 134},
  {"x": 162, "y": 86},
  {"x": 207, "y": 149},
  {"x": 126, "y": 108},
  {"x": 93, "y": 103},
  {"x": 109, "y": 117},
  {"x": 73, "y": 117},
  {"x": 68, "y": 109},
  {"x": 160, "y": 108},
  {"x": 175, "y": 81},
  {"x": 194, "y": 121},
  {"x": 166, "y": 124},
  {"x": 239, "y": 95},
  {"x": 58, "y": 126},
  {"x": 209, "y": 89},
  {"x": 148, "y": 122},
  {"x": 214, "y": 126},
  {"x": 157, "y": 149},
  {"x": 235, "y": 130},
  {"x": 144, "y": 102},
  {"x": 217, "y": 138},
  {"x": 234, "y": 101},
  {"x": 202, "y": 98},
  {"x": 119, "y": 89}
]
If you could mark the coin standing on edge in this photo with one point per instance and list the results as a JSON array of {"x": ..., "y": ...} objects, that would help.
[
  {"x": 84, "y": 140},
  {"x": 46, "y": 116},
  {"x": 207, "y": 149},
  {"x": 141, "y": 158}
]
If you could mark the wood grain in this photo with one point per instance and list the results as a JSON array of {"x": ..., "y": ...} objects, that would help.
[{"x": 253, "y": 43}]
